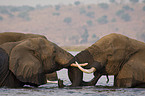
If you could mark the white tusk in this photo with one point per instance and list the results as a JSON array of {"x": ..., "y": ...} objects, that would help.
[
  {"x": 52, "y": 81},
  {"x": 74, "y": 65},
  {"x": 86, "y": 70}
]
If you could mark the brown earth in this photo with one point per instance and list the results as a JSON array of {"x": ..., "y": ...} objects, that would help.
[{"x": 50, "y": 22}]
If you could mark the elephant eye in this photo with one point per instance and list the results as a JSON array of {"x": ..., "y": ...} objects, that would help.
[{"x": 35, "y": 53}]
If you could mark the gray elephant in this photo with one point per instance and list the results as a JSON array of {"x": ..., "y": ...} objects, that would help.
[
  {"x": 14, "y": 37},
  {"x": 116, "y": 55},
  {"x": 28, "y": 61}
]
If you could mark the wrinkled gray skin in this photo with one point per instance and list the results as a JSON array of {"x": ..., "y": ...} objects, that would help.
[
  {"x": 116, "y": 55},
  {"x": 28, "y": 61},
  {"x": 14, "y": 37}
]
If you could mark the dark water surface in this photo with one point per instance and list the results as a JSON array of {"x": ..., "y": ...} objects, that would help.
[{"x": 101, "y": 89}]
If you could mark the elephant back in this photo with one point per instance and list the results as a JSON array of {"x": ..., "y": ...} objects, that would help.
[
  {"x": 14, "y": 37},
  {"x": 9, "y": 37}
]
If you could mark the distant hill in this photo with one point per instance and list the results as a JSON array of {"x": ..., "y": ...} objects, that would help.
[{"x": 76, "y": 24}]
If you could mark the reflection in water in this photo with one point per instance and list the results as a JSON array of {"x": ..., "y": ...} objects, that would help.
[{"x": 101, "y": 89}]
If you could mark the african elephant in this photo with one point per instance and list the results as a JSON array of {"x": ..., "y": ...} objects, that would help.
[
  {"x": 117, "y": 55},
  {"x": 14, "y": 37},
  {"x": 28, "y": 61}
]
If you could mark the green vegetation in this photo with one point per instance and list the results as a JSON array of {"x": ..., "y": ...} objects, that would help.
[
  {"x": 82, "y": 11},
  {"x": 90, "y": 14},
  {"x": 67, "y": 20},
  {"x": 57, "y": 7},
  {"x": 24, "y": 15},
  {"x": 103, "y": 5},
  {"x": 119, "y": 12},
  {"x": 74, "y": 39},
  {"x": 89, "y": 7},
  {"x": 9, "y": 9},
  {"x": 22, "y": 11},
  {"x": 112, "y": 1},
  {"x": 102, "y": 20},
  {"x": 143, "y": 8},
  {"x": 124, "y": 15},
  {"x": 94, "y": 36},
  {"x": 134, "y": 1},
  {"x": 77, "y": 3},
  {"x": 1, "y": 18},
  {"x": 89, "y": 22},
  {"x": 127, "y": 8},
  {"x": 84, "y": 36},
  {"x": 3, "y": 10},
  {"x": 113, "y": 20},
  {"x": 6, "y": 11},
  {"x": 56, "y": 14}
]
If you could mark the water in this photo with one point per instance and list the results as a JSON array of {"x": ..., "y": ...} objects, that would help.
[{"x": 101, "y": 88}]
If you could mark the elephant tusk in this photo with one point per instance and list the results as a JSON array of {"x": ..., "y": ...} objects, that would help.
[
  {"x": 86, "y": 70},
  {"x": 74, "y": 65},
  {"x": 52, "y": 81}
]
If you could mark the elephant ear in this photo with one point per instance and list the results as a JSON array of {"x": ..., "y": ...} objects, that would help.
[{"x": 26, "y": 64}]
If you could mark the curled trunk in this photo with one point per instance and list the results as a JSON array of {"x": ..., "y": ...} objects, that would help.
[{"x": 75, "y": 76}]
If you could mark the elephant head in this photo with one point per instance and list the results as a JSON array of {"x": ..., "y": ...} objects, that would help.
[
  {"x": 15, "y": 37},
  {"x": 31, "y": 59},
  {"x": 107, "y": 56}
]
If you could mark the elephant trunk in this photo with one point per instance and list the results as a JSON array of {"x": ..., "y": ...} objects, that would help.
[
  {"x": 75, "y": 76},
  {"x": 63, "y": 58},
  {"x": 92, "y": 67}
]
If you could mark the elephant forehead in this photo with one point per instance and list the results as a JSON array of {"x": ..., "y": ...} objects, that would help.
[
  {"x": 41, "y": 45},
  {"x": 97, "y": 53},
  {"x": 46, "y": 49}
]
